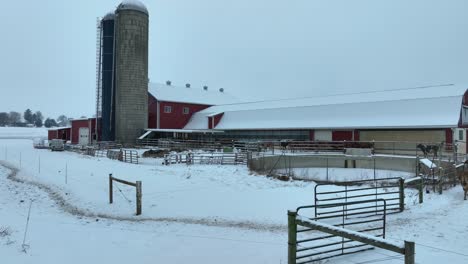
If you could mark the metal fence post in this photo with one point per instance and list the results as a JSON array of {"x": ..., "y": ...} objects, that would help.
[
  {"x": 409, "y": 252},
  {"x": 402, "y": 194},
  {"x": 111, "y": 200},
  {"x": 292, "y": 237}
]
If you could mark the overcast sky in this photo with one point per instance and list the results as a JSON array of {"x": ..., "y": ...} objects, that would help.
[{"x": 252, "y": 48}]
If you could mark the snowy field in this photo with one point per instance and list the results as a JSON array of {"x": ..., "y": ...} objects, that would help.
[
  {"x": 193, "y": 214},
  {"x": 23, "y": 132}
]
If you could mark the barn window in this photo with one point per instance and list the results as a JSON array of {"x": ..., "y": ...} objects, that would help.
[
  {"x": 460, "y": 135},
  {"x": 186, "y": 110},
  {"x": 167, "y": 109}
]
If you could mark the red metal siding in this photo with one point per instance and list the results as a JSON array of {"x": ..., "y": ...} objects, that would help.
[
  {"x": 51, "y": 134},
  {"x": 448, "y": 136},
  {"x": 356, "y": 135},
  {"x": 64, "y": 134},
  {"x": 152, "y": 111},
  {"x": 342, "y": 135},
  {"x": 311, "y": 135},
  {"x": 75, "y": 128},
  {"x": 177, "y": 119},
  {"x": 89, "y": 123},
  {"x": 217, "y": 119}
]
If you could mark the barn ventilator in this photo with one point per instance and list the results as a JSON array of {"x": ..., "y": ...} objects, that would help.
[
  {"x": 137, "y": 186},
  {"x": 353, "y": 228}
]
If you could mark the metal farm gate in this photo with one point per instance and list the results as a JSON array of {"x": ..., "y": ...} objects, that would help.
[
  {"x": 308, "y": 245},
  {"x": 390, "y": 189},
  {"x": 130, "y": 156}
]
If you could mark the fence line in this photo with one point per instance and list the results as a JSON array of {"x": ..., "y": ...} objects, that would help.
[
  {"x": 137, "y": 185},
  {"x": 213, "y": 158}
]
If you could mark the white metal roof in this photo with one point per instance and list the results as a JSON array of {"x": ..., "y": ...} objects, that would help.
[
  {"x": 437, "y": 106},
  {"x": 193, "y": 95},
  {"x": 183, "y": 130},
  {"x": 59, "y": 128}
]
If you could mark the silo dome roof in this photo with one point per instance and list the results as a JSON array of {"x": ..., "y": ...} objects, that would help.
[
  {"x": 109, "y": 16},
  {"x": 132, "y": 5}
]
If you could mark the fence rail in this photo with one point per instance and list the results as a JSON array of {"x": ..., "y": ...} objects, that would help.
[
  {"x": 129, "y": 156},
  {"x": 213, "y": 158},
  {"x": 357, "y": 228},
  {"x": 449, "y": 151},
  {"x": 391, "y": 190},
  {"x": 137, "y": 186}
]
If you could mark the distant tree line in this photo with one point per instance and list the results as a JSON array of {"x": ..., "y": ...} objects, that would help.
[{"x": 31, "y": 119}]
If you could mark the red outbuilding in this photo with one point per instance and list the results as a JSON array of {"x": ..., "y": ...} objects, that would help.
[
  {"x": 83, "y": 131},
  {"x": 63, "y": 133}
]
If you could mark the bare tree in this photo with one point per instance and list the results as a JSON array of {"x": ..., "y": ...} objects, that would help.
[{"x": 62, "y": 120}]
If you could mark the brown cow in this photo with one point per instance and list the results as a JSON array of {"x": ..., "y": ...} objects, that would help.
[{"x": 463, "y": 177}]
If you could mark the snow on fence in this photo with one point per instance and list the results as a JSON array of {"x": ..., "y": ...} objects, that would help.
[
  {"x": 357, "y": 227},
  {"x": 137, "y": 186},
  {"x": 124, "y": 155},
  {"x": 438, "y": 174},
  {"x": 129, "y": 156},
  {"x": 212, "y": 158}
]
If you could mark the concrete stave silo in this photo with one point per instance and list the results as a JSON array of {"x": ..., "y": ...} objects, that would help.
[{"x": 131, "y": 71}]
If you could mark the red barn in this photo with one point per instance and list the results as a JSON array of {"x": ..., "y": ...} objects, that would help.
[{"x": 171, "y": 107}]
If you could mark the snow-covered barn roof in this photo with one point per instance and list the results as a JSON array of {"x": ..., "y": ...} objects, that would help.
[
  {"x": 193, "y": 95},
  {"x": 423, "y": 107},
  {"x": 59, "y": 128}
]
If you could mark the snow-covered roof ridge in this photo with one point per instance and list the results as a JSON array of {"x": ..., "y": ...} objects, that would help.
[
  {"x": 436, "y": 91},
  {"x": 58, "y": 128},
  {"x": 194, "y": 95},
  {"x": 411, "y": 108}
]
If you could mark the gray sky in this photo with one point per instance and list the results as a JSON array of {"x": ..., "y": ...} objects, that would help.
[{"x": 252, "y": 48}]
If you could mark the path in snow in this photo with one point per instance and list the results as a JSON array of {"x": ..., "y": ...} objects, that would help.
[
  {"x": 66, "y": 206},
  {"x": 57, "y": 237}
]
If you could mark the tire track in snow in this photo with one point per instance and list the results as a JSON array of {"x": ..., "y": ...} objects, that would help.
[{"x": 68, "y": 207}]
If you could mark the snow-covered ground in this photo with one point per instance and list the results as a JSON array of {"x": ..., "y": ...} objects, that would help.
[
  {"x": 23, "y": 132},
  {"x": 194, "y": 214}
]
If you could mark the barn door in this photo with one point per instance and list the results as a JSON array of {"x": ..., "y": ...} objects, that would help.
[
  {"x": 83, "y": 138},
  {"x": 323, "y": 135}
]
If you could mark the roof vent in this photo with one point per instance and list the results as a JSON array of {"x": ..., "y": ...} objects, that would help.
[
  {"x": 221, "y": 90},
  {"x": 205, "y": 88},
  {"x": 187, "y": 85},
  {"x": 168, "y": 82}
]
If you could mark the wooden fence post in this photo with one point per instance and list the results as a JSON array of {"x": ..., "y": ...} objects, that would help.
[
  {"x": 441, "y": 178},
  {"x": 110, "y": 189},
  {"x": 421, "y": 190},
  {"x": 409, "y": 252},
  {"x": 417, "y": 166},
  {"x": 138, "y": 197},
  {"x": 402, "y": 194},
  {"x": 292, "y": 237}
]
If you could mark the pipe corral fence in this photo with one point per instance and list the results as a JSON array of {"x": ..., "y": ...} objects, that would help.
[
  {"x": 448, "y": 151},
  {"x": 349, "y": 228}
]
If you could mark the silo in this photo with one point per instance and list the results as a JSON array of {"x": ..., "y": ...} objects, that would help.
[
  {"x": 108, "y": 78},
  {"x": 131, "y": 72}
]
